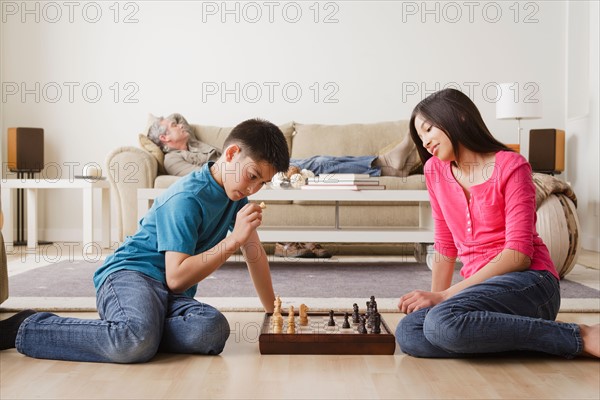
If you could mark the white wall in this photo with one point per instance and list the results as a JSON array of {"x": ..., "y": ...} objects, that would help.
[
  {"x": 375, "y": 60},
  {"x": 582, "y": 117}
]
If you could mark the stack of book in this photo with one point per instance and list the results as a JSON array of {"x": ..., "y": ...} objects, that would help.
[{"x": 343, "y": 182}]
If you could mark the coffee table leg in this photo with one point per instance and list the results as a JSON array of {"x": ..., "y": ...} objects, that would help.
[
  {"x": 9, "y": 213},
  {"x": 88, "y": 221},
  {"x": 105, "y": 218},
  {"x": 32, "y": 219}
]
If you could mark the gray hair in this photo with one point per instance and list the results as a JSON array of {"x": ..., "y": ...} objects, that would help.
[
  {"x": 154, "y": 132},
  {"x": 156, "y": 129}
]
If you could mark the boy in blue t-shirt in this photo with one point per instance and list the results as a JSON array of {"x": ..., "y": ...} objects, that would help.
[{"x": 145, "y": 290}]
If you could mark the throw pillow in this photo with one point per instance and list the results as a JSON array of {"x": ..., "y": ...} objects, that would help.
[
  {"x": 151, "y": 119},
  {"x": 153, "y": 149}
]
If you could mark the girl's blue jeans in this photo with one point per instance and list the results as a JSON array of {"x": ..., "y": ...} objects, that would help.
[
  {"x": 511, "y": 312},
  {"x": 139, "y": 317}
]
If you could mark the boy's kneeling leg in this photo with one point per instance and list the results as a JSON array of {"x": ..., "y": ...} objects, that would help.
[
  {"x": 197, "y": 328},
  {"x": 130, "y": 346},
  {"x": 49, "y": 336}
]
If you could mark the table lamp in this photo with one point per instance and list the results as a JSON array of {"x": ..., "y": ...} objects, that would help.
[{"x": 514, "y": 104}]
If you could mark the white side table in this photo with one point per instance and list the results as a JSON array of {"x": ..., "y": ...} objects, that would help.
[{"x": 32, "y": 186}]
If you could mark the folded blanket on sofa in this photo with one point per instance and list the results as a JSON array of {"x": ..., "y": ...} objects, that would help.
[{"x": 546, "y": 185}]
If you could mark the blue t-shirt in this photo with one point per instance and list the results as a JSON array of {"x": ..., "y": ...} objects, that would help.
[{"x": 191, "y": 217}]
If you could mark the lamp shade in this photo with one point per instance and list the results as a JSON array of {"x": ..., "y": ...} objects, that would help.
[{"x": 514, "y": 103}]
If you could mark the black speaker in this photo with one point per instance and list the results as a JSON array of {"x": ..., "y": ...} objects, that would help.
[
  {"x": 547, "y": 150},
  {"x": 25, "y": 149}
]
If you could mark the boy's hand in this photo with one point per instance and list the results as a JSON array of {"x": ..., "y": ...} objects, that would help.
[{"x": 247, "y": 220}]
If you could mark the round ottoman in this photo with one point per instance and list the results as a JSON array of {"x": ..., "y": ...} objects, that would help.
[{"x": 558, "y": 226}]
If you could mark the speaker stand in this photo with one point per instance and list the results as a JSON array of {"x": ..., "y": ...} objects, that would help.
[{"x": 21, "y": 241}]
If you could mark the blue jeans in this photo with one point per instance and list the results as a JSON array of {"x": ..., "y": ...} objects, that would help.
[
  {"x": 139, "y": 317},
  {"x": 511, "y": 312},
  {"x": 338, "y": 165}
]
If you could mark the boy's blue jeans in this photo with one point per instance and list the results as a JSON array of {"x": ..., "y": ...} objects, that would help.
[
  {"x": 515, "y": 311},
  {"x": 139, "y": 317},
  {"x": 338, "y": 165}
]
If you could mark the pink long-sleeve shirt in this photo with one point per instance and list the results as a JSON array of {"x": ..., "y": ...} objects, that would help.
[{"x": 500, "y": 214}]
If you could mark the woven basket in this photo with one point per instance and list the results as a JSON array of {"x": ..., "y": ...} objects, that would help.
[{"x": 558, "y": 226}]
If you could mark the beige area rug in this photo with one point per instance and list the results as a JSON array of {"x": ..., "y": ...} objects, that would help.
[{"x": 322, "y": 285}]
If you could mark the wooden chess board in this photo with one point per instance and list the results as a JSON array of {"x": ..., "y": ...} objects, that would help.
[{"x": 318, "y": 338}]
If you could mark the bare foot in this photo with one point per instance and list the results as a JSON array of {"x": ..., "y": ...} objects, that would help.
[{"x": 591, "y": 340}]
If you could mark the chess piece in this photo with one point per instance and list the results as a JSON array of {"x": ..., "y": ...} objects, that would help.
[
  {"x": 331, "y": 320},
  {"x": 346, "y": 324},
  {"x": 291, "y": 327},
  {"x": 376, "y": 323},
  {"x": 277, "y": 305},
  {"x": 355, "y": 314},
  {"x": 373, "y": 305},
  {"x": 371, "y": 319},
  {"x": 276, "y": 314},
  {"x": 303, "y": 315},
  {"x": 277, "y": 323},
  {"x": 361, "y": 326}
]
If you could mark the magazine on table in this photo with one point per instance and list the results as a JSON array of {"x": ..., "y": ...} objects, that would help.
[{"x": 342, "y": 187}]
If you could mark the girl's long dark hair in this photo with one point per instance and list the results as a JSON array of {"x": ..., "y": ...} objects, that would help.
[{"x": 454, "y": 113}]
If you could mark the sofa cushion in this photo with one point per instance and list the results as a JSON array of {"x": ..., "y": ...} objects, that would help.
[
  {"x": 215, "y": 135},
  {"x": 346, "y": 140},
  {"x": 156, "y": 152},
  {"x": 164, "y": 181}
]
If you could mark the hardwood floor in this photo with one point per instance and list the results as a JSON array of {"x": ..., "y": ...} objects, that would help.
[{"x": 241, "y": 372}]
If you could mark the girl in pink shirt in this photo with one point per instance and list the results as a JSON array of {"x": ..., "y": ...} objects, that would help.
[{"x": 483, "y": 206}]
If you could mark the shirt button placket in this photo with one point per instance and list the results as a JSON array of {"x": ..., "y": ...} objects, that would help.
[{"x": 469, "y": 227}]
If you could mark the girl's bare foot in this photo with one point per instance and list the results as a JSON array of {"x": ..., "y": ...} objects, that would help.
[{"x": 591, "y": 340}]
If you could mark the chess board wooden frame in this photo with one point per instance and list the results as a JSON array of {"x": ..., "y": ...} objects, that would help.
[{"x": 383, "y": 343}]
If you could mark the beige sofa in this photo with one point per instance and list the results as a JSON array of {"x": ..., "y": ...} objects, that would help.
[
  {"x": 132, "y": 168},
  {"x": 3, "y": 265}
]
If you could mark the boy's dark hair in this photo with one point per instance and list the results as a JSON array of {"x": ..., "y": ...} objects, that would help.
[
  {"x": 262, "y": 141},
  {"x": 453, "y": 112}
]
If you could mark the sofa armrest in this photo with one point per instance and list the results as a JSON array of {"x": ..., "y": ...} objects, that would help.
[
  {"x": 129, "y": 169},
  {"x": 3, "y": 270}
]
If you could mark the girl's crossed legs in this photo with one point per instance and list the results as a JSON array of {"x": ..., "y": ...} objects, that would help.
[{"x": 515, "y": 311}]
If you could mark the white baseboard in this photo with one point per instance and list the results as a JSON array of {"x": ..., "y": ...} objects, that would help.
[{"x": 590, "y": 243}]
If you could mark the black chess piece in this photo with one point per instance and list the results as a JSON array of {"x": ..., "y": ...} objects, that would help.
[
  {"x": 355, "y": 314},
  {"x": 376, "y": 323},
  {"x": 346, "y": 324},
  {"x": 331, "y": 320},
  {"x": 373, "y": 304},
  {"x": 361, "y": 326}
]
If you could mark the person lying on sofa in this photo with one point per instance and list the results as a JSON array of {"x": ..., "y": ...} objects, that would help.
[{"x": 184, "y": 154}]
